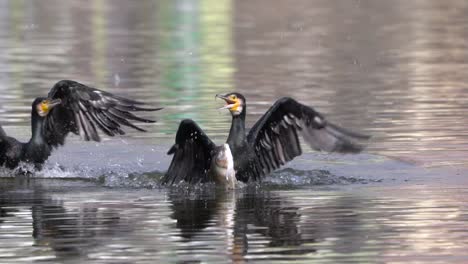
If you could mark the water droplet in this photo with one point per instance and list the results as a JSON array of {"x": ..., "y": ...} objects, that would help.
[{"x": 116, "y": 79}]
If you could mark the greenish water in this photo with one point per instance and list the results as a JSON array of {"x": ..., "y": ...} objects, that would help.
[{"x": 392, "y": 69}]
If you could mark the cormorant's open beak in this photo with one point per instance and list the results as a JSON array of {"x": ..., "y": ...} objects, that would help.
[
  {"x": 51, "y": 103},
  {"x": 47, "y": 105},
  {"x": 230, "y": 103}
]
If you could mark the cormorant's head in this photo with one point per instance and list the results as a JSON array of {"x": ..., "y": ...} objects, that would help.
[
  {"x": 42, "y": 106},
  {"x": 235, "y": 102}
]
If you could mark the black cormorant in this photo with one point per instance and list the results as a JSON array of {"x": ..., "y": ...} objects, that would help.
[
  {"x": 270, "y": 143},
  {"x": 69, "y": 107}
]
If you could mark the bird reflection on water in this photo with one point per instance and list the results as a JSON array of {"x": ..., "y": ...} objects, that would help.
[
  {"x": 241, "y": 214},
  {"x": 206, "y": 213},
  {"x": 66, "y": 232},
  {"x": 44, "y": 219}
]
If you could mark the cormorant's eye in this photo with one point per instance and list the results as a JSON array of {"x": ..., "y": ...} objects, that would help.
[{"x": 233, "y": 97}]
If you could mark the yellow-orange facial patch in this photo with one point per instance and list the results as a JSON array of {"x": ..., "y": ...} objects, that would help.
[
  {"x": 234, "y": 102},
  {"x": 45, "y": 106}
]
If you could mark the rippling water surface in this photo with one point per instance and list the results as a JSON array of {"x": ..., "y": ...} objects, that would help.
[{"x": 394, "y": 69}]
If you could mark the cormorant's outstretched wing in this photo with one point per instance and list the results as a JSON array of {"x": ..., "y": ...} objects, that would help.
[
  {"x": 275, "y": 136},
  {"x": 85, "y": 110},
  {"x": 192, "y": 151},
  {"x": 2, "y": 133}
]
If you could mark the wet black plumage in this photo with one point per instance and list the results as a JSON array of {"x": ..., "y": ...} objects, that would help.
[
  {"x": 70, "y": 107},
  {"x": 192, "y": 152},
  {"x": 271, "y": 142}
]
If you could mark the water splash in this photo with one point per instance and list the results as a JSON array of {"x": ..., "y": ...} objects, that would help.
[{"x": 299, "y": 178}]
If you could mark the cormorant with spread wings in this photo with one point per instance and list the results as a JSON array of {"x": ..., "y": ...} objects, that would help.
[
  {"x": 270, "y": 143},
  {"x": 70, "y": 107}
]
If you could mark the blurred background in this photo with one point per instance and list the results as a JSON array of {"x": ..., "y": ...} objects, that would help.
[{"x": 394, "y": 69}]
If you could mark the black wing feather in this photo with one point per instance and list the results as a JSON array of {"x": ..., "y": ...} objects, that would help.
[
  {"x": 85, "y": 110},
  {"x": 192, "y": 152},
  {"x": 275, "y": 137}
]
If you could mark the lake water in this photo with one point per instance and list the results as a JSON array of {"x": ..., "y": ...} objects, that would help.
[{"x": 396, "y": 70}]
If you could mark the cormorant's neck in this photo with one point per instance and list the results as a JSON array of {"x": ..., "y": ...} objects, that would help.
[
  {"x": 37, "y": 127},
  {"x": 37, "y": 150},
  {"x": 237, "y": 133}
]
